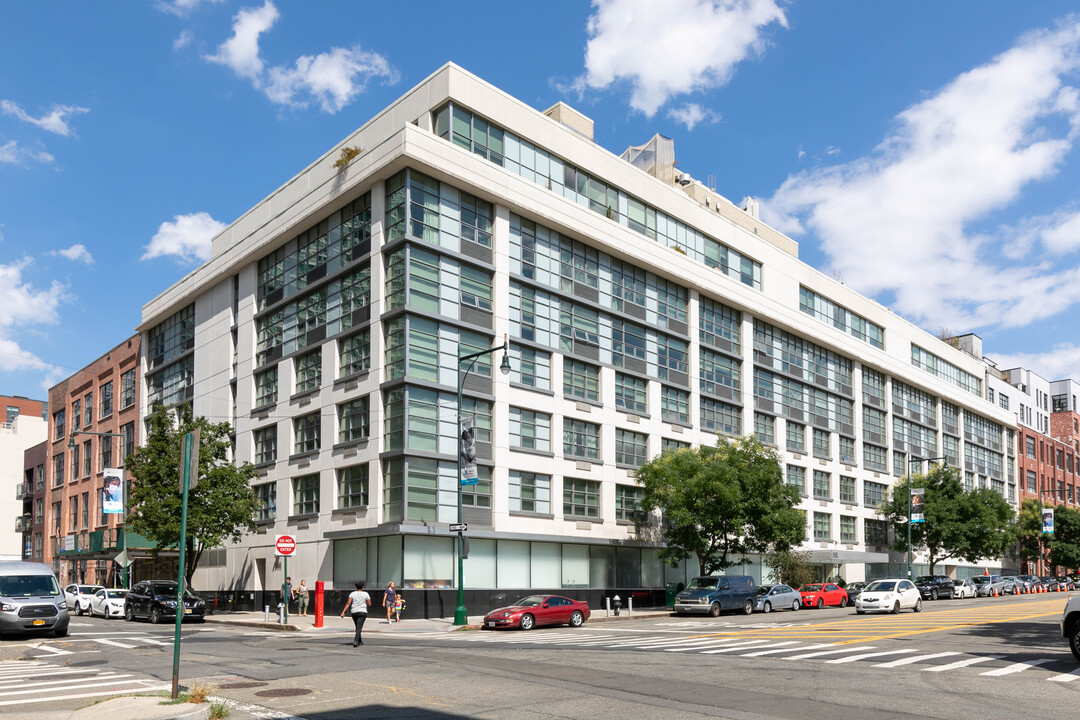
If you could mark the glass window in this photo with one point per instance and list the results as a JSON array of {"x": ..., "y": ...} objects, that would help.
[
  {"x": 306, "y": 429},
  {"x": 876, "y": 532},
  {"x": 822, "y": 526},
  {"x": 530, "y": 492},
  {"x": 530, "y": 430},
  {"x": 822, "y": 445},
  {"x": 720, "y": 417},
  {"x": 352, "y": 486},
  {"x": 847, "y": 529},
  {"x": 796, "y": 476},
  {"x": 581, "y": 380},
  {"x": 530, "y": 367},
  {"x": 266, "y": 387},
  {"x": 581, "y": 439},
  {"x": 353, "y": 420},
  {"x": 306, "y": 495},
  {"x": 822, "y": 485},
  {"x": 631, "y": 448},
  {"x": 581, "y": 498},
  {"x": 631, "y": 393},
  {"x": 628, "y": 503},
  {"x": 309, "y": 371},
  {"x": 106, "y": 393},
  {"x": 669, "y": 444},
  {"x": 355, "y": 353},
  {"x": 127, "y": 385},
  {"x": 765, "y": 429},
  {"x": 267, "y": 497},
  {"x": 76, "y": 414},
  {"x": 265, "y": 444},
  {"x": 874, "y": 493},
  {"x": 674, "y": 405},
  {"x": 847, "y": 450},
  {"x": 847, "y": 490},
  {"x": 796, "y": 437},
  {"x": 475, "y": 288}
]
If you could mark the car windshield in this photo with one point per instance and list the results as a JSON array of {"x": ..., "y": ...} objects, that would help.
[
  {"x": 880, "y": 586},
  {"x": 702, "y": 583},
  {"x": 855, "y": 586},
  {"x": 115, "y": 593},
  {"x": 763, "y": 590},
  {"x": 168, "y": 589},
  {"x": 13, "y": 586},
  {"x": 980, "y": 579},
  {"x": 530, "y": 601},
  {"x": 89, "y": 589},
  {"x": 924, "y": 578},
  {"x": 810, "y": 588}
]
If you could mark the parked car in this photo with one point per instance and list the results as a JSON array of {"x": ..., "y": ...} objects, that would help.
[
  {"x": 712, "y": 594},
  {"x": 1028, "y": 582},
  {"x": 1065, "y": 582},
  {"x": 777, "y": 597},
  {"x": 1050, "y": 583},
  {"x": 892, "y": 595},
  {"x": 78, "y": 597},
  {"x": 1070, "y": 624},
  {"x": 931, "y": 587},
  {"x": 1011, "y": 585},
  {"x": 31, "y": 600},
  {"x": 853, "y": 590},
  {"x": 536, "y": 610},
  {"x": 964, "y": 589},
  {"x": 156, "y": 600},
  {"x": 818, "y": 595},
  {"x": 987, "y": 584},
  {"x": 108, "y": 603}
]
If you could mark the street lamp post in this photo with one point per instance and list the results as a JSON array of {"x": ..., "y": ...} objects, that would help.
[
  {"x": 910, "y": 461},
  {"x": 123, "y": 516},
  {"x": 461, "y": 615}
]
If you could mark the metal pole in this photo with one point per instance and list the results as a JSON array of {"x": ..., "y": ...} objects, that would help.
[
  {"x": 188, "y": 442},
  {"x": 909, "y": 521},
  {"x": 284, "y": 597}
]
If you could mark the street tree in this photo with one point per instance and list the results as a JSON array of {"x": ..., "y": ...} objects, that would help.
[
  {"x": 721, "y": 502},
  {"x": 791, "y": 567},
  {"x": 1029, "y": 531},
  {"x": 1065, "y": 542},
  {"x": 959, "y": 523},
  {"x": 222, "y": 506}
]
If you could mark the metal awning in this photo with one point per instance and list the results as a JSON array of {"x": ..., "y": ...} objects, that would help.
[{"x": 839, "y": 557}]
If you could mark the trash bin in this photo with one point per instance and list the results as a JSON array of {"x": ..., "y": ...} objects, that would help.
[{"x": 670, "y": 591}]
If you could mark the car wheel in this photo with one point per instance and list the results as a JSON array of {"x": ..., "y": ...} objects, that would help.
[
  {"x": 1074, "y": 639},
  {"x": 918, "y": 605},
  {"x": 714, "y": 611},
  {"x": 820, "y": 603},
  {"x": 60, "y": 632},
  {"x": 527, "y": 622},
  {"x": 748, "y": 608},
  {"x": 843, "y": 602},
  {"x": 860, "y": 612},
  {"x": 767, "y": 607},
  {"x": 78, "y": 609},
  {"x": 155, "y": 616},
  {"x": 577, "y": 619},
  {"x": 129, "y": 614},
  {"x": 795, "y": 605},
  {"x": 896, "y": 606},
  {"x": 933, "y": 594}
]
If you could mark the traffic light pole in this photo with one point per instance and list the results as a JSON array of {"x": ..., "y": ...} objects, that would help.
[{"x": 461, "y": 615}]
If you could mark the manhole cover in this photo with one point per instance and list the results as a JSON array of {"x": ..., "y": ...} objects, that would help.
[
  {"x": 283, "y": 692},
  {"x": 242, "y": 685}
]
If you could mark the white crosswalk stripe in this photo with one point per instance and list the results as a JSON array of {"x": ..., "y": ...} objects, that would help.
[
  {"x": 1016, "y": 667},
  {"x": 963, "y": 663},
  {"x": 25, "y": 682},
  {"x": 1066, "y": 677},
  {"x": 917, "y": 658}
]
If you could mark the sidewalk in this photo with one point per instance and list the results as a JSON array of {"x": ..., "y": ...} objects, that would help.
[{"x": 376, "y": 623}]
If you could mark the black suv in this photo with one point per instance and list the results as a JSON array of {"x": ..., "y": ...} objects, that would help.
[
  {"x": 931, "y": 587},
  {"x": 156, "y": 600}
]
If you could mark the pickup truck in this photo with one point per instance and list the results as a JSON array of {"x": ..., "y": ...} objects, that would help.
[{"x": 1070, "y": 625}]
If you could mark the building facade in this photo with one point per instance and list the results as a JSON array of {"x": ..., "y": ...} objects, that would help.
[
  {"x": 32, "y": 493},
  {"x": 94, "y": 425},
  {"x": 644, "y": 312},
  {"x": 22, "y": 428}
]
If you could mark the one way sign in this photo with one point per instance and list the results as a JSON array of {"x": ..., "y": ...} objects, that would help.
[{"x": 459, "y": 527}]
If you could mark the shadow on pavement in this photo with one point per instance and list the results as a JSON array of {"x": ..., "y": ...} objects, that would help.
[{"x": 378, "y": 712}]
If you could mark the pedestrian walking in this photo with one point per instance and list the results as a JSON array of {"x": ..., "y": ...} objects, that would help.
[
  {"x": 358, "y": 604},
  {"x": 389, "y": 598},
  {"x": 302, "y": 598},
  {"x": 399, "y": 605},
  {"x": 286, "y": 593}
]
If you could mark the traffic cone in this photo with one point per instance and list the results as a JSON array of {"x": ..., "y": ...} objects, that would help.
[{"x": 986, "y": 571}]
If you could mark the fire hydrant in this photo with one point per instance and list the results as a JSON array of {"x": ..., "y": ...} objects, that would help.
[{"x": 618, "y": 603}]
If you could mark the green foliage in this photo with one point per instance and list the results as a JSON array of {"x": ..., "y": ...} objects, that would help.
[
  {"x": 721, "y": 501},
  {"x": 1029, "y": 530},
  {"x": 1065, "y": 543},
  {"x": 222, "y": 507},
  {"x": 966, "y": 524},
  {"x": 346, "y": 157},
  {"x": 791, "y": 567}
]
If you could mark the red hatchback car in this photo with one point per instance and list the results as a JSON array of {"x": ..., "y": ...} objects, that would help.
[
  {"x": 818, "y": 595},
  {"x": 535, "y": 610}
]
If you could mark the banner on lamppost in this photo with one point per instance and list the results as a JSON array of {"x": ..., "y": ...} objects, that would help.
[
  {"x": 469, "y": 475},
  {"x": 1048, "y": 521},
  {"x": 112, "y": 495},
  {"x": 917, "y": 505}
]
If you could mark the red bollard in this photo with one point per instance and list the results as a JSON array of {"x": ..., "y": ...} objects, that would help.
[{"x": 320, "y": 596}]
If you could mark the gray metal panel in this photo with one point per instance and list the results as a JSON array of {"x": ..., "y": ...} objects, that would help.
[
  {"x": 476, "y": 317},
  {"x": 763, "y": 404},
  {"x": 476, "y": 516},
  {"x": 483, "y": 451},
  {"x": 361, "y": 315},
  {"x": 635, "y": 311},
  {"x": 477, "y": 383},
  {"x": 584, "y": 350},
  {"x": 585, "y": 292},
  {"x": 678, "y": 378},
  {"x": 477, "y": 252},
  {"x": 676, "y": 326},
  {"x": 635, "y": 364}
]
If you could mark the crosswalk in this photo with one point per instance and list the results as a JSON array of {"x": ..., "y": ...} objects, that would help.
[
  {"x": 1061, "y": 669},
  {"x": 92, "y": 643},
  {"x": 26, "y": 682}
]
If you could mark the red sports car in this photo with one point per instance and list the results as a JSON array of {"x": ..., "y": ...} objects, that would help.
[
  {"x": 534, "y": 610},
  {"x": 819, "y": 595}
]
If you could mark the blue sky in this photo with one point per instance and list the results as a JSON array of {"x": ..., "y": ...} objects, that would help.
[{"x": 922, "y": 152}]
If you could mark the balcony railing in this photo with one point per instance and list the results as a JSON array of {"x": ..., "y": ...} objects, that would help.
[{"x": 22, "y": 523}]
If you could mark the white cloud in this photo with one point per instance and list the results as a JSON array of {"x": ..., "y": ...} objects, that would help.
[
  {"x": 181, "y": 8},
  {"x": 15, "y": 154},
  {"x": 674, "y": 47},
  {"x": 21, "y": 305},
  {"x": 54, "y": 121},
  {"x": 183, "y": 40},
  {"x": 187, "y": 238},
  {"x": 1060, "y": 362},
  {"x": 241, "y": 51},
  {"x": 76, "y": 253},
  {"x": 691, "y": 114},
  {"x": 331, "y": 79},
  {"x": 900, "y": 220}
]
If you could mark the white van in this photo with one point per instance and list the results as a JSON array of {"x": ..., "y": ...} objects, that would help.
[{"x": 30, "y": 600}]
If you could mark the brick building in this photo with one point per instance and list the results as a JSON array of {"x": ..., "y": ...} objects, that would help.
[{"x": 32, "y": 493}]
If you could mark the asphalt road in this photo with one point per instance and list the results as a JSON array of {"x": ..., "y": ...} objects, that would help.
[{"x": 986, "y": 658}]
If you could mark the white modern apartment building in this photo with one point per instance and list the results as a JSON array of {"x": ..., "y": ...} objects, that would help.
[{"x": 643, "y": 312}]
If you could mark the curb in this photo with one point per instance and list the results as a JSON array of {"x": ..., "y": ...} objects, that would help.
[{"x": 256, "y": 624}]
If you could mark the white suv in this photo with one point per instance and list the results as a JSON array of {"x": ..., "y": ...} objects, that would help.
[{"x": 1070, "y": 625}]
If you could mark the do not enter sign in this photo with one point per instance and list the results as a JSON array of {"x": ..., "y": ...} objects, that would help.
[{"x": 285, "y": 545}]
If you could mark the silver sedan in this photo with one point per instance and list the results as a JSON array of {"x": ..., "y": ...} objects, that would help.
[{"x": 777, "y": 597}]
